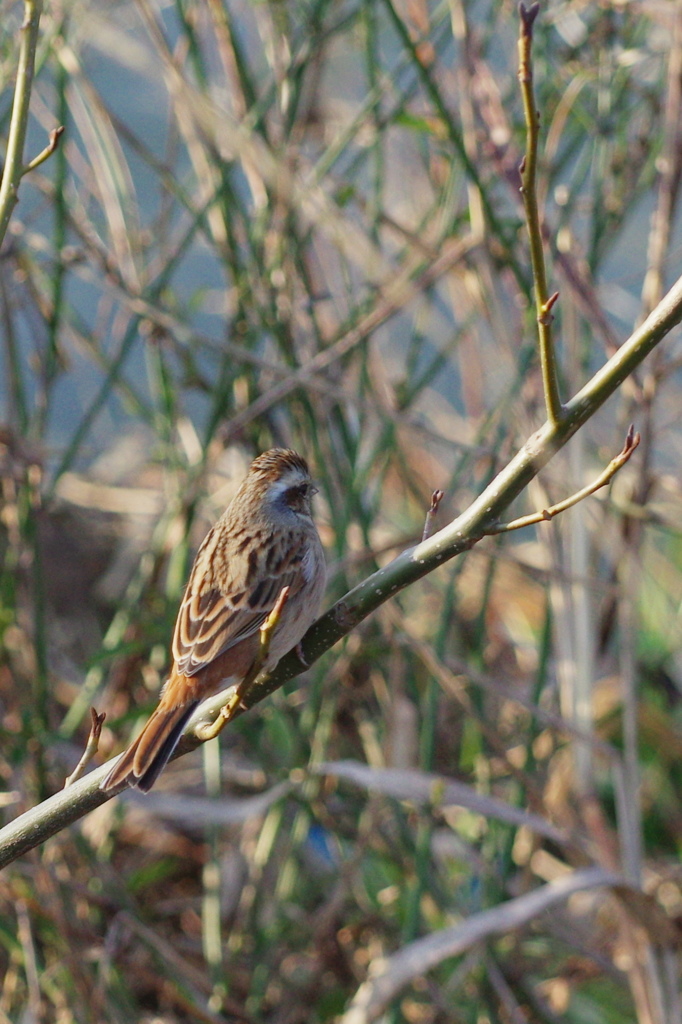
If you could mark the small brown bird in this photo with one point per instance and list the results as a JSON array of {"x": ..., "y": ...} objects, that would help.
[{"x": 264, "y": 541}]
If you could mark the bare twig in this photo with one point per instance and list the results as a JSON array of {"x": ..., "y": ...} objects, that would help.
[
  {"x": 430, "y": 522},
  {"x": 14, "y": 162},
  {"x": 528, "y": 171},
  {"x": 55, "y": 136},
  {"x": 631, "y": 441},
  {"x": 90, "y": 747}
]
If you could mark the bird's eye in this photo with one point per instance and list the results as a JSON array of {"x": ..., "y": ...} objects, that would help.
[{"x": 294, "y": 496}]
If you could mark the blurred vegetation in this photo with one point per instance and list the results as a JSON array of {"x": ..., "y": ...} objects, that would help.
[{"x": 233, "y": 246}]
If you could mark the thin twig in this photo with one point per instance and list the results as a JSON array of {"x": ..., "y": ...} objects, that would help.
[
  {"x": 14, "y": 160},
  {"x": 91, "y": 746},
  {"x": 430, "y": 521},
  {"x": 631, "y": 442},
  {"x": 669, "y": 166},
  {"x": 55, "y": 136},
  {"x": 528, "y": 171}
]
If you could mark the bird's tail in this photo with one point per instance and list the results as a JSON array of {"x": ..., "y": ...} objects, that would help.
[{"x": 146, "y": 757}]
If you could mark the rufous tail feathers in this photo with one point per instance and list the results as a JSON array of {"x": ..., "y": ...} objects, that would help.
[{"x": 146, "y": 757}]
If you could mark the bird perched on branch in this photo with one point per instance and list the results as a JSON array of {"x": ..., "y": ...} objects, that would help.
[{"x": 265, "y": 540}]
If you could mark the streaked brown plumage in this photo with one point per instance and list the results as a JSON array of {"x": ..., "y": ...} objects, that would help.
[{"x": 264, "y": 541}]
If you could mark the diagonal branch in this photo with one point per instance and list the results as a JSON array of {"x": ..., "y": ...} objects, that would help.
[{"x": 67, "y": 806}]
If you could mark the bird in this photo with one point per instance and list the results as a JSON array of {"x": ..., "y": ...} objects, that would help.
[{"x": 264, "y": 541}]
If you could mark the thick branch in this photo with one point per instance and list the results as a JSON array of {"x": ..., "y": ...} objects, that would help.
[
  {"x": 70, "y": 804},
  {"x": 481, "y": 516}
]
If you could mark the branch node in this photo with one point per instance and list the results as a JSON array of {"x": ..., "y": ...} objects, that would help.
[
  {"x": 342, "y": 615},
  {"x": 551, "y": 302},
  {"x": 546, "y": 317},
  {"x": 528, "y": 16},
  {"x": 631, "y": 441}
]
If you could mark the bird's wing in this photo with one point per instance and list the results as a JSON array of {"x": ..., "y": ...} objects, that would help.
[{"x": 216, "y": 614}]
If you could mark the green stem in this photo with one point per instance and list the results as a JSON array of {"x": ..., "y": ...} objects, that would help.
[
  {"x": 543, "y": 302},
  {"x": 14, "y": 160}
]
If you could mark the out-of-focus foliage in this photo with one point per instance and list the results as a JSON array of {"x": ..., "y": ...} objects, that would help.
[{"x": 299, "y": 223}]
